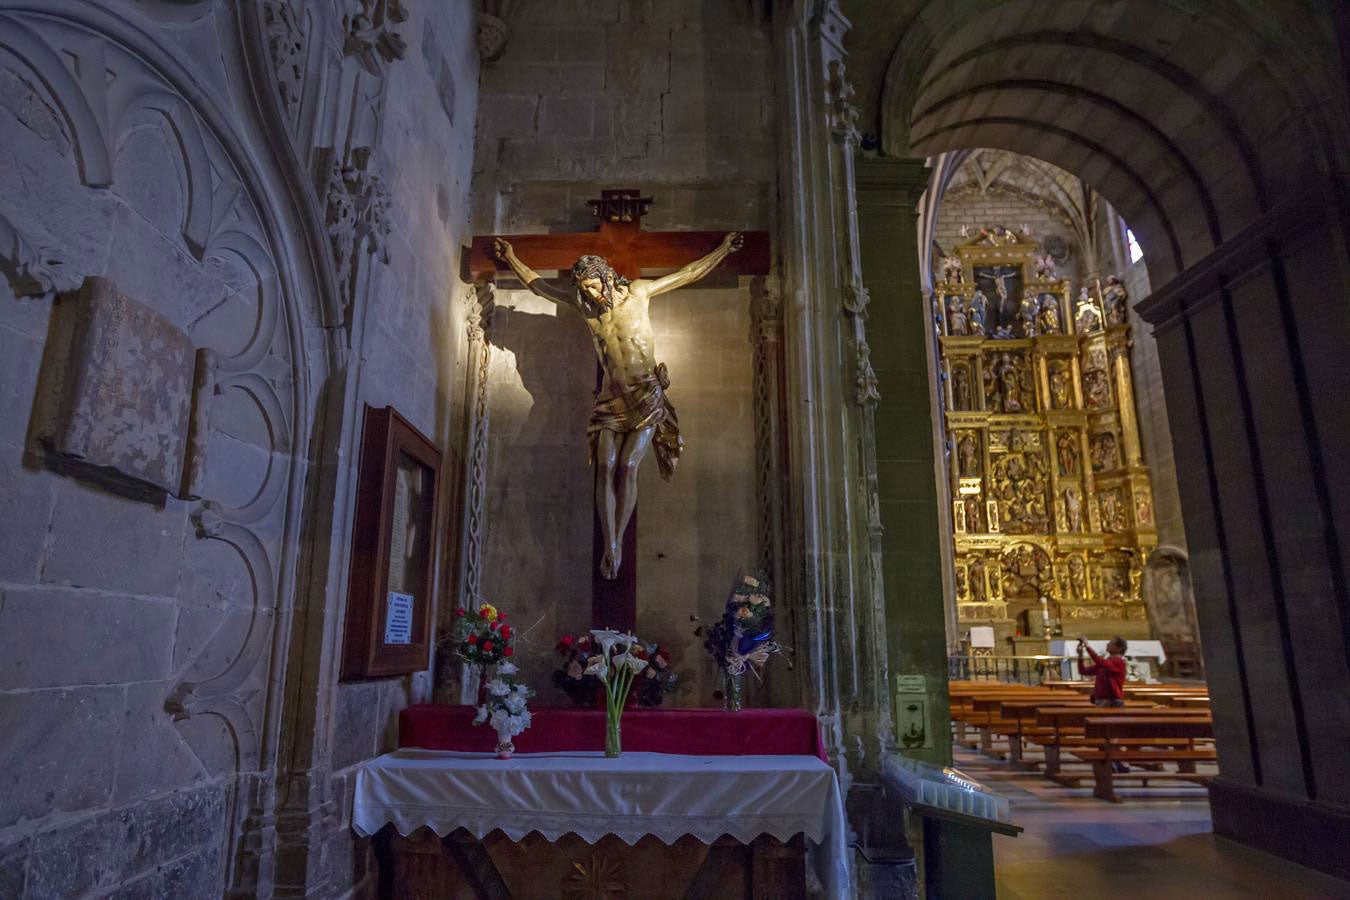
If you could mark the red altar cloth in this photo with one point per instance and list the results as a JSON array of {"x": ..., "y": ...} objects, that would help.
[{"x": 699, "y": 732}]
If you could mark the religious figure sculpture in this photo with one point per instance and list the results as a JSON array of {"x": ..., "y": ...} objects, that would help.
[
  {"x": 1059, "y": 387},
  {"x": 1049, "y": 318},
  {"x": 977, "y": 580},
  {"x": 1077, "y": 580},
  {"x": 1115, "y": 299},
  {"x": 1073, "y": 508},
  {"x": 952, "y": 270},
  {"x": 632, "y": 412},
  {"x": 1086, "y": 316},
  {"x": 968, "y": 465},
  {"x": 1030, "y": 311},
  {"x": 1066, "y": 449},
  {"x": 1045, "y": 267},
  {"x": 956, "y": 316},
  {"x": 1006, "y": 309},
  {"x": 1010, "y": 384},
  {"x": 961, "y": 387},
  {"x": 979, "y": 314}
]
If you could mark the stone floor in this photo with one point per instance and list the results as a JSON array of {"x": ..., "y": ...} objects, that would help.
[{"x": 1154, "y": 846}]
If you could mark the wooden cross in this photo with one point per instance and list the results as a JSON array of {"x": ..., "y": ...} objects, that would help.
[{"x": 621, "y": 240}]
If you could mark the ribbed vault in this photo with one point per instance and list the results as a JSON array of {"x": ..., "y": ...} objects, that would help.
[{"x": 1139, "y": 98}]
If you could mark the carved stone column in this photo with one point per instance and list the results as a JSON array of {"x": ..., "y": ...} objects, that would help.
[
  {"x": 835, "y": 583},
  {"x": 915, "y": 615}
]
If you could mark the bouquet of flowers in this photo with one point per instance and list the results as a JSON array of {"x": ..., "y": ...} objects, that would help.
[
  {"x": 616, "y": 665},
  {"x": 482, "y": 637},
  {"x": 658, "y": 679},
  {"x": 504, "y": 708},
  {"x": 742, "y": 639},
  {"x": 571, "y": 675}
]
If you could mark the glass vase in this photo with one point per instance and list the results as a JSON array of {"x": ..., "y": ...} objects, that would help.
[
  {"x": 732, "y": 690},
  {"x": 613, "y": 734}
]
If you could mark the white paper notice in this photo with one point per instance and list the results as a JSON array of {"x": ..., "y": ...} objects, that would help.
[{"x": 398, "y": 620}]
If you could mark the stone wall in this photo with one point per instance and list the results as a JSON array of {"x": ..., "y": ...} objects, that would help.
[
  {"x": 976, "y": 210},
  {"x": 146, "y": 642},
  {"x": 674, "y": 99}
]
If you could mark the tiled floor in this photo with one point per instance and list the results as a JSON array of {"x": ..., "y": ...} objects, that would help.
[{"x": 1154, "y": 846}]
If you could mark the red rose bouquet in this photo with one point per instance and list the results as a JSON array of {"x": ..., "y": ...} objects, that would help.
[{"x": 482, "y": 637}]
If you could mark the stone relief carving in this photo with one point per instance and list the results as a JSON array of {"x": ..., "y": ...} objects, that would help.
[
  {"x": 356, "y": 216},
  {"x": 493, "y": 33},
  {"x": 482, "y": 305},
  {"x": 224, "y": 675},
  {"x": 856, "y": 296},
  {"x": 286, "y": 46},
  {"x": 843, "y": 114},
  {"x": 128, "y": 403},
  {"x": 371, "y": 38},
  {"x": 866, "y": 390},
  {"x": 31, "y": 272}
]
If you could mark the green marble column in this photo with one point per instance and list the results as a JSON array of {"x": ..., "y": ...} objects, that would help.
[{"x": 898, "y": 332}]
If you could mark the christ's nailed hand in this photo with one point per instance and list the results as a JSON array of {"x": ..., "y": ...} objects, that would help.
[
  {"x": 502, "y": 248},
  {"x": 733, "y": 240}
]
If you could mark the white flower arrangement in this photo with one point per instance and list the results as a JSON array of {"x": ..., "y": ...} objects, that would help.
[
  {"x": 505, "y": 709},
  {"x": 615, "y": 665}
]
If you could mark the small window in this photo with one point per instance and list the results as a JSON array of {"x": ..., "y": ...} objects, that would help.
[{"x": 1136, "y": 252}]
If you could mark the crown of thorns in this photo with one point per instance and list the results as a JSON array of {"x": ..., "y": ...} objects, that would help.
[{"x": 595, "y": 267}]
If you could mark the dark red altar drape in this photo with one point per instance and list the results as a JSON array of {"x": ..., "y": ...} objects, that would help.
[{"x": 697, "y": 732}]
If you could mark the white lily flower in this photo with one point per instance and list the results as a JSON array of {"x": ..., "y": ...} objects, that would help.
[
  {"x": 482, "y": 715},
  {"x": 631, "y": 661},
  {"x": 515, "y": 704},
  {"x": 506, "y": 667},
  {"x": 598, "y": 665},
  {"x": 498, "y": 688},
  {"x": 606, "y": 638}
]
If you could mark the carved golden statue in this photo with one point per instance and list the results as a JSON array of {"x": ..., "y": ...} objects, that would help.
[{"x": 632, "y": 411}]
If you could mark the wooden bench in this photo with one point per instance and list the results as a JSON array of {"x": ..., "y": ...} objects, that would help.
[
  {"x": 963, "y": 699},
  {"x": 1067, "y": 724},
  {"x": 1023, "y": 713},
  {"x": 1150, "y": 741},
  {"x": 985, "y": 715}
]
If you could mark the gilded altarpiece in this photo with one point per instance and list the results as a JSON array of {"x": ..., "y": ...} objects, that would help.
[{"x": 1052, "y": 508}]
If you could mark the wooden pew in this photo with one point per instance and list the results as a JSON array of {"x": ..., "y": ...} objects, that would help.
[
  {"x": 985, "y": 714},
  {"x": 1023, "y": 713},
  {"x": 1150, "y": 740},
  {"x": 1067, "y": 724}
]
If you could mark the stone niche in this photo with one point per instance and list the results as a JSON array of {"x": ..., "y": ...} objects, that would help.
[{"x": 123, "y": 402}]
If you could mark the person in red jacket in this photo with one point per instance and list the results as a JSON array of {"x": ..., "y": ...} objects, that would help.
[{"x": 1108, "y": 689}]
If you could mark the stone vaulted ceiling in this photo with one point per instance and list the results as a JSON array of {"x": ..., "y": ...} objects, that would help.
[{"x": 1191, "y": 118}]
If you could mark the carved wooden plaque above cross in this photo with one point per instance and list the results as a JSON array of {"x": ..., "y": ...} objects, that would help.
[{"x": 621, "y": 240}]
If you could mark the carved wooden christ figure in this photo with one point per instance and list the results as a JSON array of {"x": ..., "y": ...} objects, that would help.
[{"x": 632, "y": 413}]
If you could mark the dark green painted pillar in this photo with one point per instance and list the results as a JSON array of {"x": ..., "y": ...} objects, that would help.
[{"x": 897, "y": 331}]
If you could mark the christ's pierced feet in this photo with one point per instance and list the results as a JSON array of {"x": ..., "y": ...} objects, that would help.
[{"x": 609, "y": 566}]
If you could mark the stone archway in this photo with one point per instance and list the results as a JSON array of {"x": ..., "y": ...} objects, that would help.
[{"x": 1220, "y": 137}]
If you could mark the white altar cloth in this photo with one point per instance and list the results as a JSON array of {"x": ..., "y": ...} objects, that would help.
[{"x": 666, "y": 795}]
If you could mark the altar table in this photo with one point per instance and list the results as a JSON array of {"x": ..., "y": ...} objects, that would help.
[{"x": 665, "y": 795}]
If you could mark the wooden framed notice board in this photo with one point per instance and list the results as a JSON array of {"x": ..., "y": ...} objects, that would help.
[{"x": 395, "y": 535}]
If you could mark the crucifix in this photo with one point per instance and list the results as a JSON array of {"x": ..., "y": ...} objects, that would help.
[{"x": 632, "y": 414}]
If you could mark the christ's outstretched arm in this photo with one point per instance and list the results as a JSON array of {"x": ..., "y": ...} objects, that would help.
[
  {"x": 696, "y": 269},
  {"x": 529, "y": 277}
]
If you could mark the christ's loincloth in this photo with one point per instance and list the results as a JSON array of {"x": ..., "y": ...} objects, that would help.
[{"x": 642, "y": 403}]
